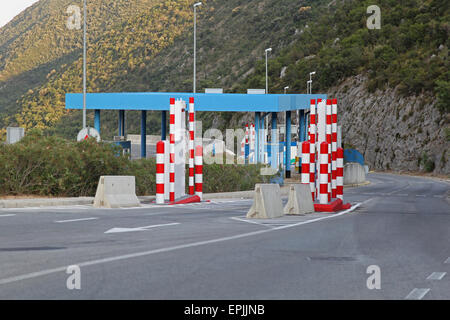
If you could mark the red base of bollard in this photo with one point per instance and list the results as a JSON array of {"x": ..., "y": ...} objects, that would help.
[
  {"x": 193, "y": 199},
  {"x": 335, "y": 206}
]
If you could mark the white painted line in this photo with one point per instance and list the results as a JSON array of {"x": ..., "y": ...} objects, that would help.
[
  {"x": 448, "y": 260},
  {"x": 122, "y": 230},
  {"x": 436, "y": 276},
  {"x": 7, "y": 215},
  {"x": 250, "y": 221},
  {"x": 76, "y": 220},
  {"x": 417, "y": 294},
  {"x": 163, "y": 250},
  {"x": 420, "y": 195}
]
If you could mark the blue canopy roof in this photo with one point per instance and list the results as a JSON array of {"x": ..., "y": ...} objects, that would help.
[{"x": 203, "y": 101}]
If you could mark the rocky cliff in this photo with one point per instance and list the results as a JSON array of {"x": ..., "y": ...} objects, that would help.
[{"x": 392, "y": 131}]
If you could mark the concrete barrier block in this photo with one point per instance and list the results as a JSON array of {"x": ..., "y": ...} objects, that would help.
[
  {"x": 354, "y": 173},
  {"x": 116, "y": 192},
  {"x": 300, "y": 200},
  {"x": 266, "y": 202}
]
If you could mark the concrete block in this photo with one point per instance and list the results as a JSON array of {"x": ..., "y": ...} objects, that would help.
[
  {"x": 266, "y": 202},
  {"x": 300, "y": 200},
  {"x": 116, "y": 192},
  {"x": 354, "y": 173}
]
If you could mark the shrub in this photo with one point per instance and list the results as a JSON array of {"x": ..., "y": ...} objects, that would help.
[{"x": 52, "y": 166}]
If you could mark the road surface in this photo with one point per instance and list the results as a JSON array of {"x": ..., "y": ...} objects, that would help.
[{"x": 210, "y": 251}]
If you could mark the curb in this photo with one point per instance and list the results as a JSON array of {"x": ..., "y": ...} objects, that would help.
[
  {"x": 34, "y": 203},
  {"x": 357, "y": 184}
]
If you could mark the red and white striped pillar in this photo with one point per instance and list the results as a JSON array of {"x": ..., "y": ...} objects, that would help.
[
  {"x": 333, "y": 147},
  {"x": 323, "y": 175},
  {"x": 305, "y": 162},
  {"x": 172, "y": 151},
  {"x": 340, "y": 173},
  {"x": 329, "y": 140},
  {"x": 312, "y": 140},
  {"x": 199, "y": 171},
  {"x": 160, "y": 172},
  {"x": 191, "y": 146}
]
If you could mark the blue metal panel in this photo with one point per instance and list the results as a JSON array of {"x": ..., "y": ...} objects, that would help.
[
  {"x": 204, "y": 102},
  {"x": 256, "y": 151},
  {"x": 97, "y": 118},
  {"x": 143, "y": 134},
  {"x": 288, "y": 143},
  {"x": 274, "y": 141},
  {"x": 352, "y": 155},
  {"x": 163, "y": 125},
  {"x": 121, "y": 123}
]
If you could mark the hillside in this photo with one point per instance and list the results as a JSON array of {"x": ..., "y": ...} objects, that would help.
[{"x": 147, "y": 46}]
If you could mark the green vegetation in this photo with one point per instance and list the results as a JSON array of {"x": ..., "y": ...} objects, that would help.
[
  {"x": 410, "y": 51},
  {"x": 146, "y": 45},
  {"x": 427, "y": 163},
  {"x": 52, "y": 166}
]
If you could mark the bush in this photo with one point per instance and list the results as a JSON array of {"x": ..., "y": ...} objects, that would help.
[{"x": 52, "y": 166}]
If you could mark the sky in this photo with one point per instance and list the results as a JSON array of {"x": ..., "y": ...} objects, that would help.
[{"x": 11, "y": 8}]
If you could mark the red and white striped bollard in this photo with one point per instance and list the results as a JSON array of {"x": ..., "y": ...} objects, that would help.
[
  {"x": 333, "y": 147},
  {"x": 199, "y": 172},
  {"x": 172, "y": 151},
  {"x": 191, "y": 146},
  {"x": 323, "y": 175},
  {"x": 340, "y": 173},
  {"x": 160, "y": 172}
]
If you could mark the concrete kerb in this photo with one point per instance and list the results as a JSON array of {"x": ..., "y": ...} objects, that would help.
[{"x": 45, "y": 202}]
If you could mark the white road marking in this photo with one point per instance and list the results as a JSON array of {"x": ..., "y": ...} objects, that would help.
[
  {"x": 7, "y": 215},
  {"x": 436, "y": 276},
  {"x": 417, "y": 294},
  {"x": 76, "y": 220},
  {"x": 168, "y": 249},
  {"x": 448, "y": 260},
  {"x": 122, "y": 230},
  {"x": 250, "y": 221},
  {"x": 420, "y": 195}
]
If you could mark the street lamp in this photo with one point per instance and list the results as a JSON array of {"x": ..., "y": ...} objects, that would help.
[
  {"x": 267, "y": 71},
  {"x": 195, "y": 44},
  {"x": 285, "y": 89},
  {"x": 84, "y": 66},
  {"x": 310, "y": 79},
  {"x": 308, "y": 86}
]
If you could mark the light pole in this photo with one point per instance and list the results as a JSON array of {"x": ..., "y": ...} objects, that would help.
[
  {"x": 195, "y": 44},
  {"x": 84, "y": 66},
  {"x": 310, "y": 81},
  {"x": 267, "y": 71},
  {"x": 308, "y": 86},
  {"x": 285, "y": 89}
]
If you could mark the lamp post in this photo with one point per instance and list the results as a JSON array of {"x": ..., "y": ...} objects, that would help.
[
  {"x": 285, "y": 89},
  {"x": 267, "y": 70},
  {"x": 84, "y": 66},
  {"x": 310, "y": 81},
  {"x": 195, "y": 44},
  {"x": 308, "y": 86}
]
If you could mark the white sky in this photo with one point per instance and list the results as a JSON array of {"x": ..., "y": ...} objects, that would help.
[{"x": 11, "y": 8}]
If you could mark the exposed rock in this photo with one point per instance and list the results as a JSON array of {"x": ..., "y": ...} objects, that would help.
[{"x": 392, "y": 131}]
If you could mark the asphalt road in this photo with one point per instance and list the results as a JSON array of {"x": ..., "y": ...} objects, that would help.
[{"x": 210, "y": 251}]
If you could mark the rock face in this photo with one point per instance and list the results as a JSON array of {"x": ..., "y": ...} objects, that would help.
[{"x": 392, "y": 131}]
